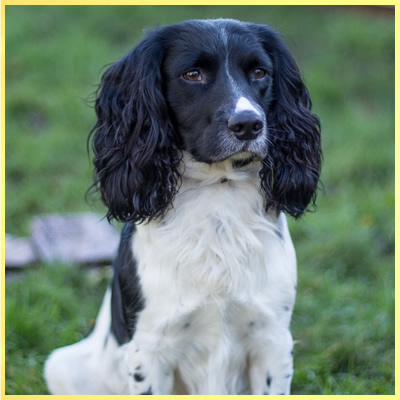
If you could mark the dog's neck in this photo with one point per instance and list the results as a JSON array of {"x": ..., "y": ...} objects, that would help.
[{"x": 240, "y": 168}]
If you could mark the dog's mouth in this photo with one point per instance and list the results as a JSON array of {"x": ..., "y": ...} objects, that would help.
[
  {"x": 225, "y": 147},
  {"x": 249, "y": 150},
  {"x": 242, "y": 158},
  {"x": 247, "y": 153}
]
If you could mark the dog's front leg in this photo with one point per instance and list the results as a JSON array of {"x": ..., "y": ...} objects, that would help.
[
  {"x": 271, "y": 368},
  {"x": 147, "y": 371}
]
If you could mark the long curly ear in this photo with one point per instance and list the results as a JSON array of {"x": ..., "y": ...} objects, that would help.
[
  {"x": 290, "y": 175},
  {"x": 135, "y": 147}
]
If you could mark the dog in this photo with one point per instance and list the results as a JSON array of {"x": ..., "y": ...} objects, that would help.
[{"x": 204, "y": 142}]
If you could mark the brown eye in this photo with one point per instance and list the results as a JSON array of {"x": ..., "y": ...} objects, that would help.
[
  {"x": 259, "y": 73},
  {"x": 193, "y": 75}
]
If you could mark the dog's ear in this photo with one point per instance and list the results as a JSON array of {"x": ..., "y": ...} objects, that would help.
[
  {"x": 135, "y": 146},
  {"x": 291, "y": 171}
]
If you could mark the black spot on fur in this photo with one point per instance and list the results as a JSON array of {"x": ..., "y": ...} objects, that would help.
[
  {"x": 224, "y": 180},
  {"x": 138, "y": 367},
  {"x": 138, "y": 377},
  {"x": 269, "y": 380},
  {"x": 286, "y": 308},
  {"x": 278, "y": 233}
]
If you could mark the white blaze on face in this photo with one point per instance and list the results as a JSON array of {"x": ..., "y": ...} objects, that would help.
[{"x": 244, "y": 104}]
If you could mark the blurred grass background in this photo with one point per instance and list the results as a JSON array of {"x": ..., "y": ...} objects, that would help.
[{"x": 344, "y": 315}]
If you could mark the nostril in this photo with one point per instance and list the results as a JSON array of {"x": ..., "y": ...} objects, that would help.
[
  {"x": 258, "y": 125},
  {"x": 236, "y": 128}
]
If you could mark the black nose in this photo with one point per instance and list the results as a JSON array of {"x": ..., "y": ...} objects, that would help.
[{"x": 245, "y": 125}]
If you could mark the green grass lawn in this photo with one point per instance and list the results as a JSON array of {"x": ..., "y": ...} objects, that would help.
[{"x": 344, "y": 316}]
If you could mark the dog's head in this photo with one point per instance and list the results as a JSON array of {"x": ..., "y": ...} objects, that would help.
[{"x": 218, "y": 89}]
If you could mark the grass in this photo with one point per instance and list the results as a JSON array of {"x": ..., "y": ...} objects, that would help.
[
  {"x": 58, "y": 299},
  {"x": 344, "y": 315}
]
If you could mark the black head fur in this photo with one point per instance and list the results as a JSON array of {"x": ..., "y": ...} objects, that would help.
[
  {"x": 135, "y": 146},
  {"x": 292, "y": 167},
  {"x": 139, "y": 137}
]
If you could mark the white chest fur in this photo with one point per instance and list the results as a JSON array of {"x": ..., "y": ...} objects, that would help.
[{"x": 214, "y": 273}]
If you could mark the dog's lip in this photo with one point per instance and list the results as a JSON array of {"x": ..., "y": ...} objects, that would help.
[
  {"x": 248, "y": 152},
  {"x": 241, "y": 156},
  {"x": 245, "y": 159}
]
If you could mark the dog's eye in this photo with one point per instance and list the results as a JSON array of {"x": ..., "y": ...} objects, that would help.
[
  {"x": 259, "y": 73},
  {"x": 193, "y": 75}
]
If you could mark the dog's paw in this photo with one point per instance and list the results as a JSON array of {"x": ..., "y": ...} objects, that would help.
[
  {"x": 139, "y": 379},
  {"x": 146, "y": 373}
]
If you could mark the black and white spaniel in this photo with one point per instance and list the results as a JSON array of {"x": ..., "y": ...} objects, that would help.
[{"x": 204, "y": 141}]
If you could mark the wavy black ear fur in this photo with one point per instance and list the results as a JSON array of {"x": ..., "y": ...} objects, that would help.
[
  {"x": 290, "y": 175},
  {"x": 135, "y": 146}
]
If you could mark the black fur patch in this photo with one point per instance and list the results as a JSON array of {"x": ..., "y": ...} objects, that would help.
[{"x": 126, "y": 300}]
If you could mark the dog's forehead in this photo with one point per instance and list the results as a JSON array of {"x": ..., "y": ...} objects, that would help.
[
  {"x": 214, "y": 37},
  {"x": 210, "y": 26}
]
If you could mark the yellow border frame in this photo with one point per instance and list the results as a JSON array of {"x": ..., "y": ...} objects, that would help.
[{"x": 169, "y": 2}]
